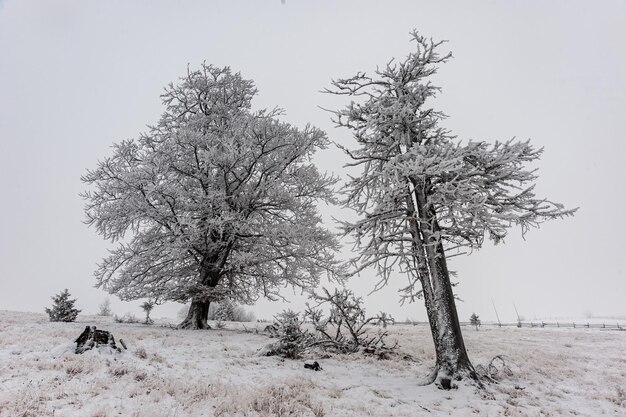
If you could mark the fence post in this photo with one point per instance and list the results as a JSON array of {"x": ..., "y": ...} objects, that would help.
[
  {"x": 557, "y": 325},
  {"x": 574, "y": 325}
]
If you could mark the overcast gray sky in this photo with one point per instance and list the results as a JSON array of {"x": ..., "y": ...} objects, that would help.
[{"x": 76, "y": 76}]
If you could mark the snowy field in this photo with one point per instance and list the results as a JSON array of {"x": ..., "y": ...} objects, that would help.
[{"x": 168, "y": 372}]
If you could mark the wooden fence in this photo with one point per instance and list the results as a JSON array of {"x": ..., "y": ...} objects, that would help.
[{"x": 540, "y": 324}]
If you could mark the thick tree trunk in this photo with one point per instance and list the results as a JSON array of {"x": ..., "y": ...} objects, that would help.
[
  {"x": 452, "y": 362},
  {"x": 197, "y": 316}
]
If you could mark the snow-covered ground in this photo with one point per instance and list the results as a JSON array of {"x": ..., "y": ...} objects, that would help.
[{"x": 168, "y": 372}]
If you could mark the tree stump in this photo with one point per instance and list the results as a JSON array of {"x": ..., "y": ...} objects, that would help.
[{"x": 91, "y": 338}]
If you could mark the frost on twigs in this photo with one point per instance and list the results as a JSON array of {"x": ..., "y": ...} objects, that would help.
[
  {"x": 423, "y": 196},
  {"x": 347, "y": 329},
  {"x": 498, "y": 368},
  {"x": 214, "y": 198}
]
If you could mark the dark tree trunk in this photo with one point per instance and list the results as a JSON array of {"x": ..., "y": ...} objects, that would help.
[
  {"x": 197, "y": 316},
  {"x": 452, "y": 362}
]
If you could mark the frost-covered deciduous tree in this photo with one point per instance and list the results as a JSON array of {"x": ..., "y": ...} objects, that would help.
[
  {"x": 215, "y": 201},
  {"x": 105, "y": 308},
  {"x": 422, "y": 195}
]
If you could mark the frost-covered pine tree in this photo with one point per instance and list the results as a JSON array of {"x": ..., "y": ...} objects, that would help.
[
  {"x": 423, "y": 195},
  {"x": 215, "y": 201},
  {"x": 62, "y": 308}
]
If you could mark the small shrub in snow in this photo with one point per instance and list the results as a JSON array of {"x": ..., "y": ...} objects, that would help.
[
  {"x": 119, "y": 371},
  {"x": 620, "y": 397},
  {"x": 226, "y": 310},
  {"x": 291, "y": 399},
  {"x": 63, "y": 308},
  {"x": 141, "y": 353},
  {"x": 292, "y": 340},
  {"x": 140, "y": 376},
  {"x": 346, "y": 329},
  {"x": 73, "y": 369},
  {"x": 126, "y": 318}
]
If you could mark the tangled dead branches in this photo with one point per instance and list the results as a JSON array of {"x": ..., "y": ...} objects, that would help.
[
  {"x": 498, "y": 368},
  {"x": 346, "y": 329}
]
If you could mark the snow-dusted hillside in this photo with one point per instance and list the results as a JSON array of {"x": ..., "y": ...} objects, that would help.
[{"x": 168, "y": 372}]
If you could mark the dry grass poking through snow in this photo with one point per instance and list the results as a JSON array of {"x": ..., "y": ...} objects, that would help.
[{"x": 167, "y": 372}]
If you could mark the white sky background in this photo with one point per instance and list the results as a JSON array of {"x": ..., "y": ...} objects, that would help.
[{"x": 76, "y": 76}]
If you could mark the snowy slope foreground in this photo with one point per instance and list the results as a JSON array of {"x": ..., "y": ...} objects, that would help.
[{"x": 168, "y": 372}]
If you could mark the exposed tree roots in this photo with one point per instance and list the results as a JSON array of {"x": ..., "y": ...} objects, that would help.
[
  {"x": 196, "y": 317},
  {"x": 193, "y": 322},
  {"x": 447, "y": 380},
  {"x": 191, "y": 325}
]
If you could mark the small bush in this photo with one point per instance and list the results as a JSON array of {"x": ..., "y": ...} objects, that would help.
[
  {"x": 141, "y": 353},
  {"x": 140, "y": 376},
  {"x": 63, "y": 308},
  {"x": 126, "y": 318},
  {"x": 620, "y": 397},
  {"x": 346, "y": 329},
  {"x": 292, "y": 341},
  {"x": 226, "y": 310},
  {"x": 73, "y": 369},
  {"x": 119, "y": 371}
]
